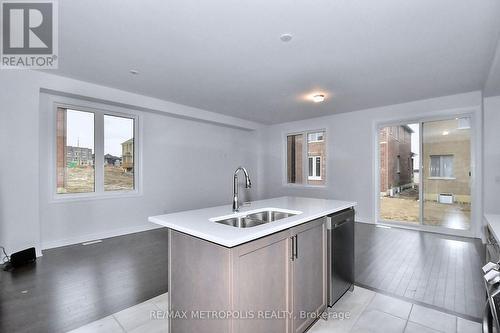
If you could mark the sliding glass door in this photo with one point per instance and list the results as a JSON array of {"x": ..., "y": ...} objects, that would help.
[{"x": 424, "y": 173}]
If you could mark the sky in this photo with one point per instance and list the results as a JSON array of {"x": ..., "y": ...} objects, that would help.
[
  {"x": 415, "y": 144},
  {"x": 80, "y": 131}
]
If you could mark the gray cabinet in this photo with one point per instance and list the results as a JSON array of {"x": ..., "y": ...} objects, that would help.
[
  {"x": 309, "y": 282},
  {"x": 261, "y": 275},
  {"x": 269, "y": 283},
  {"x": 199, "y": 280}
]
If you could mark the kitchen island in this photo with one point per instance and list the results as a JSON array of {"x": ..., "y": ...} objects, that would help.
[{"x": 262, "y": 269}]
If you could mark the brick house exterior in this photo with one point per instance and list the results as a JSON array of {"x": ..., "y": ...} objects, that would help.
[
  {"x": 315, "y": 161},
  {"x": 457, "y": 146},
  {"x": 396, "y": 158}
]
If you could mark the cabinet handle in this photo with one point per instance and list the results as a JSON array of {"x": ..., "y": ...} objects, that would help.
[
  {"x": 292, "y": 247},
  {"x": 296, "y": 247}
]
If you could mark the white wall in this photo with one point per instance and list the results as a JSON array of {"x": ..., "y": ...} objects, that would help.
[
  {"x": 351, "y": 149},
  {"x": 175, "y": 180},
  {"x": 186, "y": 164},
  {"x": 491, "y": 164}
]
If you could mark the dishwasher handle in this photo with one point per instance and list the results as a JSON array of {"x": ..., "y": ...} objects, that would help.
[
  {"x": 336, "y": 220},
  {"x": 339, "y": 224}
]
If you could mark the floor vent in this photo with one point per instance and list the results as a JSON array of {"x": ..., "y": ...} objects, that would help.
[{"x": 92, "y": 242}]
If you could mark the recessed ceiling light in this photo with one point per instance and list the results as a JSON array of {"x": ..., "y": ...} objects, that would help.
[
  {"x": 446, "y": 132},
  {"x": 318, "y": 98},
  {"x": 286, "y": 37},
  {"x": 134, "y": 72}
]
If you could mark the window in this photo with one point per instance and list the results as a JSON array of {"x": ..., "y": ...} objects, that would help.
[
  {"x": 314, "y": 168},
  {"x": 315, "y": 137},
  {"x": 119, "y": 153},
  {"x": 75, "y": 132},
  {"x": 441, "y": 166},
  {"x": 95, "y": 152},
  {"x": 310, "y": 154}
]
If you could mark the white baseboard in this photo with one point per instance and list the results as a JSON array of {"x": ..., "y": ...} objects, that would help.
[
  {"x": 364, "y": 221},
  {"x": 100, "y": 235}
]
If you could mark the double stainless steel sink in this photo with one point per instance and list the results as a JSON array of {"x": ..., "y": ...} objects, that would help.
[{"x": 255, "y": 218}]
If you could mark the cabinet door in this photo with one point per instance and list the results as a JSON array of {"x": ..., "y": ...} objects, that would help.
[
  {"x": 261, "y": 284},
  {"x": 309, "y": 273},
  {"x": 199, "y": 280}
]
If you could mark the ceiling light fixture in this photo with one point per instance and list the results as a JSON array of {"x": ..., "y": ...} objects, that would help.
[
  {"x": 286, "y": 37},
  {"x": 318, "y": 98},
  {"x": 446, "y": 132},
  {"x": 134, "y": 72}
]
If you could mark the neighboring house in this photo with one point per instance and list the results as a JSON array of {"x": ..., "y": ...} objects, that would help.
[
  {"x": 316, "y": 155},
  {"x": 396, "y": 158},
  {"x": 315, "y": 162},
  {"x": 79, "y": 156},
  {"x": 111, "y": 160},
  {"x": 128, "y": 155},
  {"x": 447, "y": 161}
]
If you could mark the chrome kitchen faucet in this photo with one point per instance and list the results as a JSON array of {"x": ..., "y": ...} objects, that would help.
[{"x": 248, "y": 184}]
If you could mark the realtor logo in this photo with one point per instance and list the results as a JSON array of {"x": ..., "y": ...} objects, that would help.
[{"x": 29, "y": 34}]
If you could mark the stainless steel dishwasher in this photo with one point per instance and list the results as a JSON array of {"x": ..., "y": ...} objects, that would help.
[{"x": 340, "y": 254}]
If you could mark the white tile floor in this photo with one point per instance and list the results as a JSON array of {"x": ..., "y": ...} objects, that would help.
[
  {"x": 136, "y": 319},
  {"x": 361, "y": 311},
  {"x": 373, "y": 312}
]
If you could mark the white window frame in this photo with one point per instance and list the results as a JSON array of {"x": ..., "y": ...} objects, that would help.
[
  {"x": 314, "y": 175},
  {"x": 99, "y": 112},
  {"x": 305, "y": 159}
]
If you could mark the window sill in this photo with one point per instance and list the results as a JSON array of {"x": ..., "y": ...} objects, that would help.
[
  {"x": 441, "y": 178},
  {"x": 314, "y": 178},
  {"x": 62, "y": 198}
]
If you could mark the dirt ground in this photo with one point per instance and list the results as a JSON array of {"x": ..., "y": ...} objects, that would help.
[
  {"x": 117, "y": 180},
  {"x": 456, "y": 216},
  {"x": 81, "y": 180}
]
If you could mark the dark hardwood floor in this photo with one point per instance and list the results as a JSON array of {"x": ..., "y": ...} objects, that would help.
[
  {"x": 434, "y": 269},
  {"x": 74, "y": 285}
]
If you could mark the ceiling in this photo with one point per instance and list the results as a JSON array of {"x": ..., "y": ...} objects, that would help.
[{"x": 226, "y": 55}]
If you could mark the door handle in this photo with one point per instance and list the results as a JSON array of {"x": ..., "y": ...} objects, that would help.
[
  {"x": 296, "y": 247},
  {"x": 292, "y": 248}
]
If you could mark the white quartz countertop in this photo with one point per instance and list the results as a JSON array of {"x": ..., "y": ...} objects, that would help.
[
  {"x": 493, "y": 224},
  {"x": 197, "y": 222}
]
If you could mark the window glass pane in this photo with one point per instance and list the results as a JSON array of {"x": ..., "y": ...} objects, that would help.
[
  {"x": 435, "y": 166},
  {"x": 447, "y": 169},
  {"x": 310, "y": 166},
  {"x": 75, "y": 151},
  {"x": 118, "y": 153},
  {"x": 446, "y": 187},
  {"x": 316, "y": 149},
  {"x": 294, "y": 158},
  {"x": 317, "y": 136}
]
